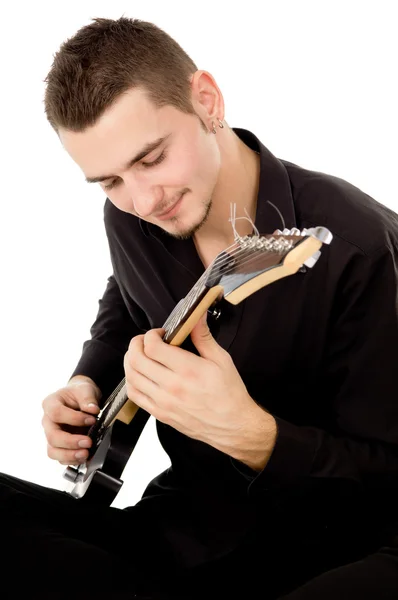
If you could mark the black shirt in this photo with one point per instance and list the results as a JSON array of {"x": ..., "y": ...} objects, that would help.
[{"x": 319, "y": 350}]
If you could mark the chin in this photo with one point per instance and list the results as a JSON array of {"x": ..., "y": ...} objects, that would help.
[{"x": 183, "y": 231}]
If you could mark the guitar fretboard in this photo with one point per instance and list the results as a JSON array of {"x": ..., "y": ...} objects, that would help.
[{"x": 241, "y": 257}]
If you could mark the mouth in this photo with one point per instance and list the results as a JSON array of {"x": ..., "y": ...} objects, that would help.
[{"x": 170, "y": 212}]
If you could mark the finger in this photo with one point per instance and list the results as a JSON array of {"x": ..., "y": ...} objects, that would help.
[
  {"x": 67, "y": 457},
  {"x": 59, "y": 413},
  {"x": 154, "y": 397},
  {"x": 57, "y": 438},
  {"x": 141, "y": 383},
  {"x": 76, "y": 398},
  {"x": 87, "y": 405},
  {"x": 137, "y": 362},
  {"x": 140, "y": 399},
  {"x": 159, "y": 402},
  {"x": 91, "y": 407},
  {"x": 161, "y": 412},
  {"x": 172, "y": 357},
  {"x": 68, "y": 397}
]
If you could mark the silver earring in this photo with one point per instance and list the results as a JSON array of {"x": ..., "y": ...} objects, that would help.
[{"x": 221, "y": 125}]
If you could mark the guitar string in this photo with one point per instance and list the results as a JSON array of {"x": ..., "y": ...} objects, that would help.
[
  {"x": 186, "y": 303},
  {"x": 203, "y": 277},
  {"x": 238, "y": 239},
  {"x": 183, "y": 306},
  {"x": 189, "y": 300},
  {"x": 121, "y": 388},
  {"x": 169, "y": 326},
  {"x": 198, "y": 288}
]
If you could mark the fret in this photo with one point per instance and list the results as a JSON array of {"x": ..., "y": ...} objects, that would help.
[
  {"x": 237, "y": 268},
  {"x": 183, "y": 308},
  {"x": 251, "y": 263}
]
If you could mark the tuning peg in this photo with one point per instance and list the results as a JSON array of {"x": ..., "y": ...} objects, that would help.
[
  {"x": 286, "y": 231},
  {"x": 310, "y": 262},
  {"x": 295, "y": 231},
  {"x": 322, "y": 234}
]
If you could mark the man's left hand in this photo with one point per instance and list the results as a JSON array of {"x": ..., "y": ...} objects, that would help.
[{"x": 202, "y": 396}]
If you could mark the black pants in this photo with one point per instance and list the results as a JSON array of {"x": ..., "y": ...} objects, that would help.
[{"x": 54, "y": 547}]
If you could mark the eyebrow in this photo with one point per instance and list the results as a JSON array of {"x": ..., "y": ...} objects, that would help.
[{"x": 146, "y": 150}]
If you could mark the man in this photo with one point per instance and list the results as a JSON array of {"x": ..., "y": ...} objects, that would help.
[{"x": 280, "y": 417}]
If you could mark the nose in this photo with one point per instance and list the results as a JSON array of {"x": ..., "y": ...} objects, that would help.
[{"x": 143, "y": 196}]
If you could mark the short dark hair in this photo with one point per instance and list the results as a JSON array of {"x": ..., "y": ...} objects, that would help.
[{"x": 109, "y": 57}]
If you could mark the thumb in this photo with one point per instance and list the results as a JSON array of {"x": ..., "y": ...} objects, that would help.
[
  {"x": 203, "y": 340},
  {"x": 86, "y": 395}
]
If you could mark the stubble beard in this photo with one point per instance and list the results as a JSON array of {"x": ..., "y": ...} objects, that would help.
[{"x": 189, "y": 233}]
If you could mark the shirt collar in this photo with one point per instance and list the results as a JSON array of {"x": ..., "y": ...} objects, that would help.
[{"x": 274, "y": 187}]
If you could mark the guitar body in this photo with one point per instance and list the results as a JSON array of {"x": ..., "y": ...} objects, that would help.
[
  {"x": 250, "y": 264},
  {"x": 98, "y": 481}
]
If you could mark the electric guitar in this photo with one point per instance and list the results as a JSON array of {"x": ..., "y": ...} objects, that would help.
[{"x": 251, "y": 263}]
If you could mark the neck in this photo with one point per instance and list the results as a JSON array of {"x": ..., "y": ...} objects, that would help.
[{"x": 237, "y": 184}]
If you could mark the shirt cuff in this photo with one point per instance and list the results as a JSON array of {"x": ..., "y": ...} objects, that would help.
[
  {"x": 103, "y": 364},
  {"x": 291, "y": 459}
]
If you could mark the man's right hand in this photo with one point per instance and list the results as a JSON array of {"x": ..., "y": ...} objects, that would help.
[{"x": 68, "y": 414}]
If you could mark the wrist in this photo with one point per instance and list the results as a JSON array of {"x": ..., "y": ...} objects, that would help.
[{"x": 260, "y": 442}]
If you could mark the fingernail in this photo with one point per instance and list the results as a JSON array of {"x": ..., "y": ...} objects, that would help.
[
  {"x": 92, "y": 405},
  {"x": 89, "y": 421},
  {"x": 84, "y": 443},
  {"x": 81, "y": 454}
]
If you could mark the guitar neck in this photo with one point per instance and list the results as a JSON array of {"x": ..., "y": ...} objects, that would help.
[
  {"x": 248, "y": 265},
  {"x": 177, "y": 327}
]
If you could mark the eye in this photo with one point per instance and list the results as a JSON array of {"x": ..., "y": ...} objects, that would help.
[
  {"x": 147, "y": 165},
  {"x": 112, "y": 184},
  {"x": 159, "y": 159}
]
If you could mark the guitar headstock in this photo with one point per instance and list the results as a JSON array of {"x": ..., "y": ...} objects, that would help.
[
  {"x": 256, "y": 261},
  {"x": 249, "y": 264}
]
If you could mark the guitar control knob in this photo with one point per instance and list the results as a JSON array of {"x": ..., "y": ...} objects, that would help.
[{"x": 71, "y": 474}]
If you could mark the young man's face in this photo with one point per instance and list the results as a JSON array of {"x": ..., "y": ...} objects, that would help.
[{"x": 180, "y": 174}]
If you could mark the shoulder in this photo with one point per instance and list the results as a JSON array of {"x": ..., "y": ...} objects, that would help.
[{"x": 353, "y": 216}]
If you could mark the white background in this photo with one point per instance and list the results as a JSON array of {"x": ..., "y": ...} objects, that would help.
[{"x": 316, "y": 81}]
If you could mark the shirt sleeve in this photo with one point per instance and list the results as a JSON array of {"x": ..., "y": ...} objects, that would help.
[
  {"x": 102, "y": 356},
  {"x": 361, "y": 365}
]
